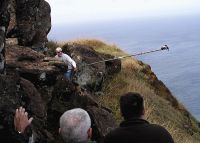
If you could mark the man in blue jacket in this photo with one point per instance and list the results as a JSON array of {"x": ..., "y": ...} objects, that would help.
[{"x": 134, "y": 129}]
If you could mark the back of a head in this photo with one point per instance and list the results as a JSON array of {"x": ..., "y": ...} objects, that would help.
[
  {"x": 74, "y": 125},
  {"x": 131, "y": 105}
]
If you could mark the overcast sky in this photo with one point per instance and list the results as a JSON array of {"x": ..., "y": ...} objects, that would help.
[{"x": 73, "y": 11}]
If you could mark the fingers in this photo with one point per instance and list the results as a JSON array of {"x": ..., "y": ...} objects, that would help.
[
  {"x": 30, "y": 120},
  {"x": 20, "y": 113},
  {"x": 21, "y": 120},
  {"x": 16, "y": 113},
  {"x": 21, "y": 110}
]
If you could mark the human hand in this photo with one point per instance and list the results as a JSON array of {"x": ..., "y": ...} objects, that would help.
[
  {"x": 21, "y": 121},
  {"x": 75, "y": 69}
]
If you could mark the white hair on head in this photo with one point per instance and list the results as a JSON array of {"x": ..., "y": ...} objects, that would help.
[
  {"x": 58, "y": 49},
  {"x": 74, "y": 125}
]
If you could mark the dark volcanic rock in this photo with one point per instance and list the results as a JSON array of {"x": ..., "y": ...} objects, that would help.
[
  {"x": 12, "y": 22},
  {"x": 38, "y": 85},
  {"x": 33, "y": 23},
  {"x": 16, "y": 92},
  {"x": 30, "y": 22},
  {"x": 27, "y": 20},
  {"x": 30, "y": 65},
  {"x": 4, "y": 22},
  {"x": 2, "y": 49},
  {"x": 92, "y": 76},
  {"x": 36, "y": 82},
  {"x": 4, "y": 13},
  {"x": 67, "y": 96}
]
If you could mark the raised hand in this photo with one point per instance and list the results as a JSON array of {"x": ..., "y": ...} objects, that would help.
[{"x": 21, "y": 121}]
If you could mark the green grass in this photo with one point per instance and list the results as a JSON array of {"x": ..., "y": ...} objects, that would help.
[
  {"x": 158, "y": 109},
  {"x": 52, "y": 45},
  {"x": 182, "y": 126}
]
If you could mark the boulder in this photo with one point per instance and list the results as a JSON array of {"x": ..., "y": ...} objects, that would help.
[
  {"x": 33, "y": 22},
  {"x": 30, "y": 65},
  {"x": 67, "y": 96},
  {"x": 16, "y": 92},
  {"x": 30, "y": 22},
  {"x": 91, "y": 76},
  {"x": 27, "y": 20},
  {"x": 36, "y": 82}
]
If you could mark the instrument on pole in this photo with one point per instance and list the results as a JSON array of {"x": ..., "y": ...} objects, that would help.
[{"x": 165, "y": 47}]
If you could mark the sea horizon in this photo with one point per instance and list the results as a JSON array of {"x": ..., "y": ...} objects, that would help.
[{"x": 178, "y": 68}]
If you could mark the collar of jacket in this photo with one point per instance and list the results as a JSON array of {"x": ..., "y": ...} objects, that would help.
[{"x": 133, "y": 121}]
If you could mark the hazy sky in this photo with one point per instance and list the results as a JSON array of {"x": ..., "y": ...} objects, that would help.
[{"x": 73, "y": 11}]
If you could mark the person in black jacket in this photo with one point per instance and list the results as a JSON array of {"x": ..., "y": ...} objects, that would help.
[{"x": 134, "y": 129}]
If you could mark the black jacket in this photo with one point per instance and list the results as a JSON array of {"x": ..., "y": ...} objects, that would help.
[{"x": 138, "y": 131}]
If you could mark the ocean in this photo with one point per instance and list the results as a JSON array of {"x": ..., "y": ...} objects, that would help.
[{"x": 178, "y": 68}]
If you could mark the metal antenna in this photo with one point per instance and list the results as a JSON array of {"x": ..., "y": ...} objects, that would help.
[{"x": 165, "y": 47}]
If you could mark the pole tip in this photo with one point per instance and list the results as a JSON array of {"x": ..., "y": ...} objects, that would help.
[{"x": 165, "y": 47}]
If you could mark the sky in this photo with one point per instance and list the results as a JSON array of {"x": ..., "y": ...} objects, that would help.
[{"x": 77, "y": 11}]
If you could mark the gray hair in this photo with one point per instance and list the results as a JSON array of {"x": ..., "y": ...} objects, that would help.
[
  {"x": 74, "y": 125},
  {"x": 58, "y": 49}
]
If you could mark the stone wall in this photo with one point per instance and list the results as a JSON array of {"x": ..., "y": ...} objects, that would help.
[{"x": 4, "y": 22}]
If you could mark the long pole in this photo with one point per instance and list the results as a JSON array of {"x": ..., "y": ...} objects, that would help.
[{"x": 165, "y": 47}]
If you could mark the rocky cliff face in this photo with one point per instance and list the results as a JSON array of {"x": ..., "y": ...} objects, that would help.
[
  {"x": 91, "y": 76},
  {"x": 33, "y": 23},
  {"x": 36, "y": 82},
  {"x": 27, "y": 20},
  {"x": 4, "y": 20}
]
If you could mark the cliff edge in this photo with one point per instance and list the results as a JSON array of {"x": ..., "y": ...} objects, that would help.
[{"x": 31, "y": 78}]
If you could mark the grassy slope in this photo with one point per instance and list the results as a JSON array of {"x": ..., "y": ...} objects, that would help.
[{"x": 183, "y": 127}]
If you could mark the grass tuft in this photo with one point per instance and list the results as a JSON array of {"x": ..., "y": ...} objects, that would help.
[{"x": 182, "y": 126}]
